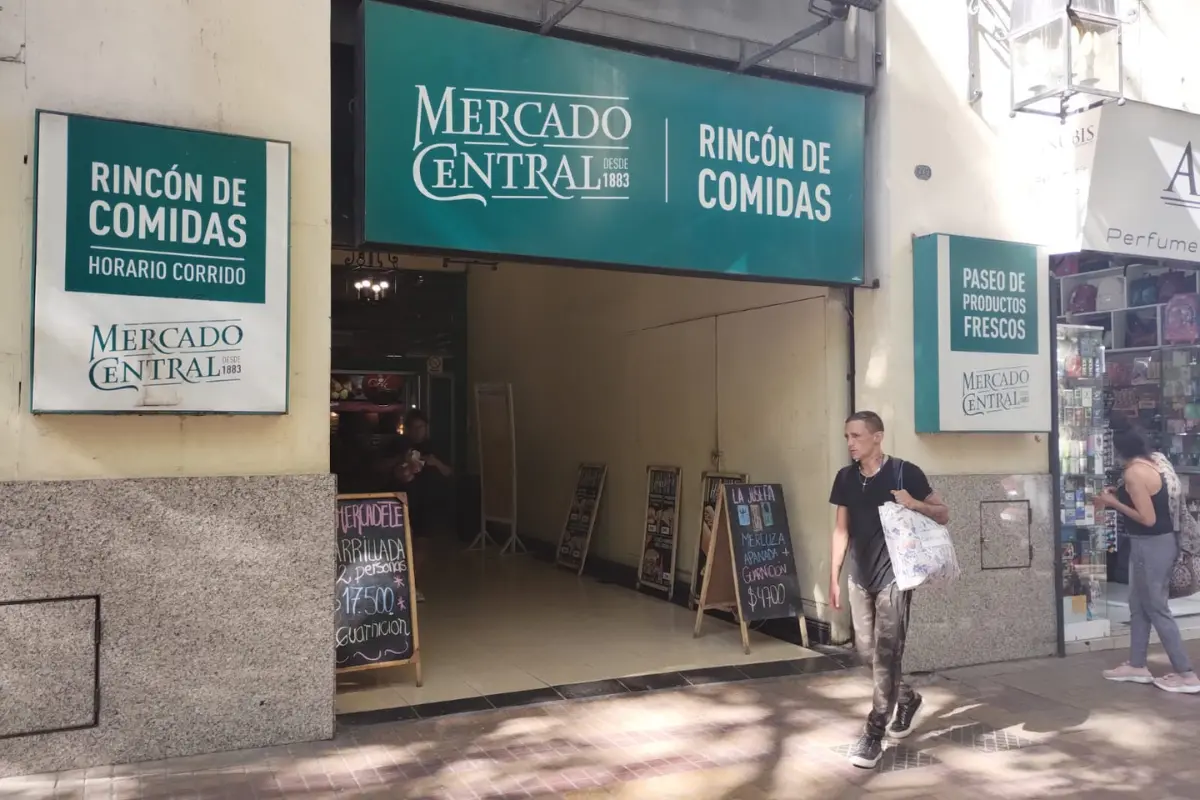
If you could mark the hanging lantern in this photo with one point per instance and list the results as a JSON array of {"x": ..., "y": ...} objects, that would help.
[
  {"x": 1066, "y": 56},
  {"x": 371, "y": 289}
]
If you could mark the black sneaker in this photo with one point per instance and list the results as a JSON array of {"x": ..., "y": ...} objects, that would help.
[
  {"x": 867, "y": 751},
  {"x": 906, "y": 716}
]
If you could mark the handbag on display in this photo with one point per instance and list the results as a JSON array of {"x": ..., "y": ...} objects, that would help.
[
  {"x": 1110, "y": 293},
  {"x": 1083, "y": 299},
  {"x": 1182, "y": 326},
  {"x": 1139, "y": 331},
  {"x": 1171, "y": 284},
  {"x": 1144, "y": 291},
  {"x": 921, "y": 550},
  {"x": 1065, "y": 265}
]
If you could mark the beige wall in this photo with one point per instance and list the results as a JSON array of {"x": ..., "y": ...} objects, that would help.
[
  {"x": 972, "y": 192},
  {"x": 252, "y": 67},
  {"x": 987, "y": 170},
  {"x": 634, "y": 370}
]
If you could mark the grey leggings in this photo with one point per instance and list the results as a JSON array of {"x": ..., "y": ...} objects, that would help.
[{"x": 1151, "y": 559}]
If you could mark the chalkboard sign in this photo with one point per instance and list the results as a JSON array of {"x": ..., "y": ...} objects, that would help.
[
  {"x": 752, "y": 564},
  {"x": 376, "y": 608},
  {"x": 581, "y": 517},
  {"x": 763, "y": 558},
  {"x": 656, "y": 569},
  {"x": 710, "y": 492}
]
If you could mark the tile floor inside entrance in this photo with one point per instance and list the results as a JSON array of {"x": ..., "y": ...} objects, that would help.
[{"x": 495, "y": 625}]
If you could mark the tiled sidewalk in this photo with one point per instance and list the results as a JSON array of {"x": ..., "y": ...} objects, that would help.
[{"x": 1047, "y": 728}]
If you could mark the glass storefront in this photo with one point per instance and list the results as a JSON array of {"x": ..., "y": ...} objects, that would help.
[{"x": 1128, "y": 345}]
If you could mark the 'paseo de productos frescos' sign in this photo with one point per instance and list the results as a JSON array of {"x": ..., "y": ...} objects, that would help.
[
  {"x": 981, "y": 347},
  {"x": 515, "y": 144},
  {"x": 161, "y": 269}
]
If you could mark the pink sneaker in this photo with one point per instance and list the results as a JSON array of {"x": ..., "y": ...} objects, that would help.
[
  {"x": 1179, "y": 684},
  {"x": 1128, "y": 674}
]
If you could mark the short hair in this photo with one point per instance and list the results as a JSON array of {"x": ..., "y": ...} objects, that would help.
[
  {"x": 414, "y": 416},
  {"x": 872, "y": 420}
]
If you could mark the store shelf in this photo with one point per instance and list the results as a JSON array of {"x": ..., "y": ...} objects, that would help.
[
  {"x": 1153, "y": 382},
  {"x": 1109, "y": 312},
  {"x": 1084, "y": 457},
  {"x": 362, "y": 406},
  {"x": 1084, "y": 277}
]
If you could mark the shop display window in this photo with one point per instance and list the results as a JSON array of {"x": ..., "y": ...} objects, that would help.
[
  {"x": 1128, "y": 344},
  {"x": 1149, "y": 313},
  {"x": 1084, "y": 454}
]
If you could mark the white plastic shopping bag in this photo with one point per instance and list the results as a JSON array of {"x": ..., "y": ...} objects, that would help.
[{"x": 921, "y": 550}]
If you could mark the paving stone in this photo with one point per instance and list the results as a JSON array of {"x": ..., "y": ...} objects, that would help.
[{"x": 1031, "y": 729}]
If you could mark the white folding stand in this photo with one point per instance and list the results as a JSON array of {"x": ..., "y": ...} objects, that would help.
[{"x": 496, "y": 431}]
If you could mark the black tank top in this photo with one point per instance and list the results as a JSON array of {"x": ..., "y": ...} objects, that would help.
[{"x": 1162, "y": 514}]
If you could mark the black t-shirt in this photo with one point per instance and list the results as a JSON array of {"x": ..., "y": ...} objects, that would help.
[{"x": 870, "y": 564}]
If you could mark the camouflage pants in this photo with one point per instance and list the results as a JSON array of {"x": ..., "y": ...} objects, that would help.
[{"x": 880, "y": 627}]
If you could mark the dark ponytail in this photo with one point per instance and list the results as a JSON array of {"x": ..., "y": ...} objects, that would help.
[{"x": 1130, "y": 444}]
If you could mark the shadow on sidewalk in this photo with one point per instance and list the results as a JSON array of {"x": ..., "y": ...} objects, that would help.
[{"x": 1049, "y": 728}]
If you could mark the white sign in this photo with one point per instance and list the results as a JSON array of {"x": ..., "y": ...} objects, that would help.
[
  {"x": 1138, "y": 184},
  {"x": 981, "y": 340},
  {"x": 161, "y": 270}
]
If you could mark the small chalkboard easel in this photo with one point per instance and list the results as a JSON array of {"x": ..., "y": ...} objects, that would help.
[
  {"x": 376, "y": 589},
  {"x": 724, "y": 589}
]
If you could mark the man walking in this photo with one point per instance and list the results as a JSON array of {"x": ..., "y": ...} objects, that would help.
[{"x": 878, "y": 607}]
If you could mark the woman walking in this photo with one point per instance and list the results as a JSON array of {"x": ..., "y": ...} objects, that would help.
[{"x": 1144, "y": 500}]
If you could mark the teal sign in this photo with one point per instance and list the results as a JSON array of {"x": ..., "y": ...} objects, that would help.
[
  {"x": 981, "y": 347},
  {"x": 165, "y": 212},
  {"x": 160, "y": 270},
  {"x": 993, "y": 297},
  {"x": 484, "y": 139}
]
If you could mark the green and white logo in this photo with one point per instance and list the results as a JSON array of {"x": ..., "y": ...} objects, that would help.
[
  {"x": 161, "y": 269},
  {"x": 981, "y": 350},
  {"x": 159, "y": 212},
  {"x": 522, "y": 145}
]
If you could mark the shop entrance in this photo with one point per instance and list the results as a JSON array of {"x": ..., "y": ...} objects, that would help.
[
  {"x": 662, "y": 172},
  {"x": 623, "y": 369},
  {"x": 1128, "y": 349}
]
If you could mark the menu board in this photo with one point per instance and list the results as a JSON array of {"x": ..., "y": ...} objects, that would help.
[
  {"x": 581, "y": 518},
  {"x": 376, "y": 615},
  {"x": 710, "y": 492},
  {"x": 659, "y": 538},
  {"x": 763, "y": 558}
]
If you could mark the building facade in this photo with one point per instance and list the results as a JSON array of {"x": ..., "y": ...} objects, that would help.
[
  {"x": 167, "y": 577},
  {"x": 155, "y": 529}
]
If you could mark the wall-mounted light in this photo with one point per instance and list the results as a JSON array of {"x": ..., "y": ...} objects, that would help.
[{"x": 1066, "y": 56}]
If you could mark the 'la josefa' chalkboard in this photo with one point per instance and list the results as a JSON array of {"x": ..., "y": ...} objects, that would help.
[
  {"x": 752, "y": 564},
  {"x": 376, "y": 595}
]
